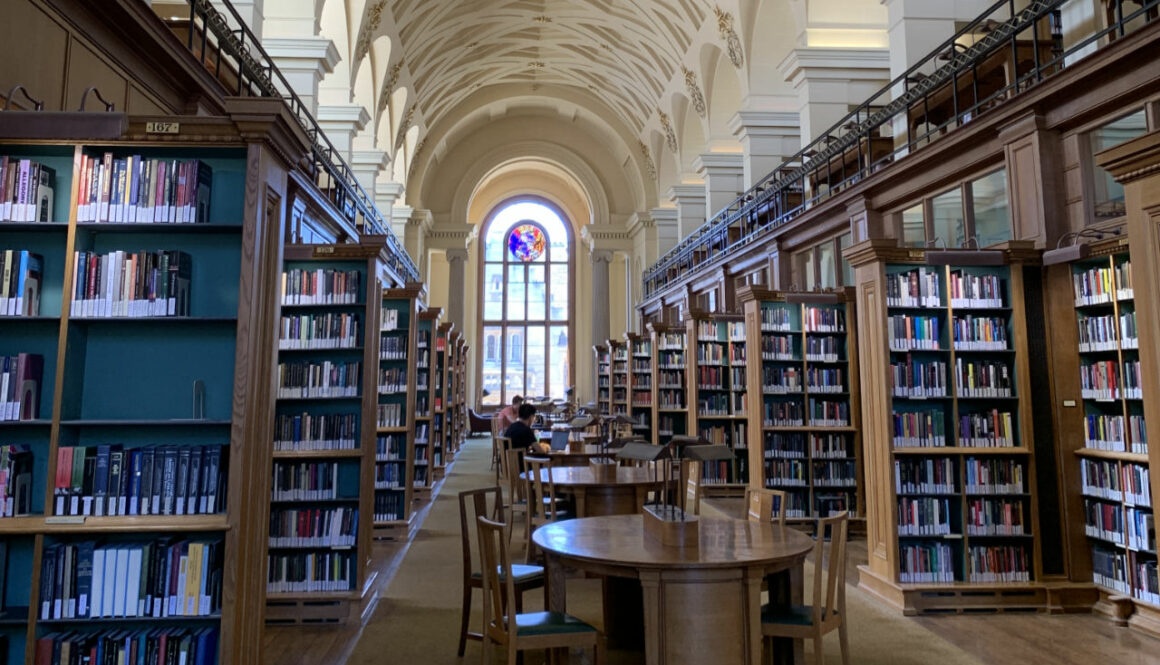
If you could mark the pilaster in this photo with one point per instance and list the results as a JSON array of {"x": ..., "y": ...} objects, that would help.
[
  {"x": 768, "y": 138},
  {"x": 303, "y": 61},
  {"x": 690, "y": 202},
  {"x": 341, "y": 122},
  {"x": 723, "y": 174},
  {"x": 830, "y": 80},
  {"x": 367, "y": 165},
  {"x": 601, "y": 258},
  {"x": 667, "y": 229},
  {"x": 456, "y": 261}
]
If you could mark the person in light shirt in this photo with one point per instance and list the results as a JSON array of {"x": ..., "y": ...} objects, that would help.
[{"x": 510, "y": 414}]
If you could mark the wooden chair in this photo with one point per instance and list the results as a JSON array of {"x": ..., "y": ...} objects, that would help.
[
  {"x": 511, "y": 463},
  {"x": 828, "y": 610},
  {"x": 763, "y": 505},
  {"x": 542, "y": 502},
  {"x": 515, "y": 630},
  {"x": 473, "y": 504}
]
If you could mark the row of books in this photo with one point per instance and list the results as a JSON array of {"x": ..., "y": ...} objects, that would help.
[
  {"x": 995, "y": 517},
  {"x": 390, "y": 415},
  {"x": 1102, "y": 380},
  {"x": 314, "y": 379},
  {"x": 828, "y": 413},
  {"x": 671, "y": 360},
  {"x": 137, "y": 190},
  {"x": 825, "y": 380},
  {"x": 919, "y": 287},
  {"x": 390, "y": 476},
  {"x": 27, "y": 190},
  {"x": 150, "y": 480},
  {"x": 789, "y": 413},
  {"x": 824, "y": 320},
  {"x": 979, "y": 333},
  {"x": 719, "y": 473},
  {"x": 918, "y": 379},
  {"x": 919, "y": 429},
  {"x": 926, "y": 563},
  {"x": 824, "y": 349},
  {"x": 1104, "y": 521},
  {"x": 781, "y": 347},
  {"x": 308, "y": 481},
  {"x": 15, "y": 481},
  {"x": 162, "y": 578},
  {"x": 309, "y": 572},
  {"x": 641, "y": 366},
  {"x": 1101, "y": 479},
  {"x": 835, "y": 473},
  {"x": 671, "y": 399},
  {"x": 713, "y": 405},
  {"x": 733, "y": 435},
  {"x": 737, "y": 354},
  {"x": 784, "y": 446},
  {"x": 998, "y": 563},
  {"x": 1110, "y": 569},
  {"x": 330, "y": 330},
  {"x": 1102, "y": 285},
  {"x": 975, "y": 291},
  {"x": 777, "y": 319},
  {"x": 830, "y": 446},
  {"x": 924, "y": 516},
  {"x": 667, "y": 426},
  {"x": 1108, "y": 432},
  {"x": 642, "y": 349},
  {"x": 983, "y": 378},
  {"x": 710, "y": 353},
  {"x": 987, "y": 429},
  {"x": 1101, "y": 333},
  {"x": 778, "y": 380},
  {"x": 392, "y": 380},
  {"x": 388, "y": 319},
  {"x": 313, "y": 527},
  {"x": 389, "y": 505},
  {"x": 20, "y": 380},
  {"x": 316, "y": 431},
  {"x": 321, "y": 286},
  {"x": 21, "y": 274},
  {"x": 908, "y": 332},
  {"x": 1141, "y": 534},
  {"x": 152, "y": 646},
  {"x": 131, "y": 284},
  {"x": 993, "y": 476},
  {"x": 711, "y": 378},
  {"x": 391, "y": 448},
  {"x": 642, "y": 397},
  {"x": 930, "y": 475},
  {"x": 670, "y": 341},
  {"x": 781, "y": 473}
]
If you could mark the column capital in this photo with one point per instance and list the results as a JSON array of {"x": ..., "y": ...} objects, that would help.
[
  {"x": 306, "y": 54},
  {"x": 712, "y": 164},
  {"x": 839, "y": 64},
  {"x": 378, "y": 159},
  {"x": 354, "y": 115},
  {"x": 687, "y": 193},
  {"x": 456, "y": 254},
  {"x": 765, "y": 124},
  {"x": 601, "y": 256}
]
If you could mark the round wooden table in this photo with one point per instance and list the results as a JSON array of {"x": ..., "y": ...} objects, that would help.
[
  {"x": 699, "y": 605},
  {"x": 581, "y": 457},
  {"x": 625, "y": 496}
]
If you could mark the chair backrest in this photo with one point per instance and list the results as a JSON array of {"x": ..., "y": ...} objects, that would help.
[
  {"x": 511, "y": 472},
  {"x": 472, "y": 504},
  {"x": 499, "y": 589},
  {"x": 539, "y": 473},
  {"x": 692, "y": 472},
  {"x": 765, "y": 505},
  {"x": 832, "y": 596}
]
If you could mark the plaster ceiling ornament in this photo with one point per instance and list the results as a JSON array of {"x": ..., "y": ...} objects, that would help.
[
  {"x": 370, "y": 23},
  {"x": 415, "y": 157},
  {"x": 648, "y": 162},
  {"x": 627, "y": 51},
  {"x": 389, "y": 84},
  {"x": 670, "y": 135},
  {"x": 732, "y": 41},
  {"x": 406, "y": 124},
  {"x": 694, "y": 92}
]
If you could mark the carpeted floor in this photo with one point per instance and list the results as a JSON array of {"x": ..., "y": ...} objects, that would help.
[{"x": 417, "y": 619}]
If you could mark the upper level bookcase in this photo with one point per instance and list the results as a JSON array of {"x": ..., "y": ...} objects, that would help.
[
  {"x": 805, "y": 434},
  {"x": 670, "y": 375},
  {"x": 950, "y": 441}
]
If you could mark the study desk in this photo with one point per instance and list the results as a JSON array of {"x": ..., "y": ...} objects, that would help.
[
  {"x": 625, "y": 496},
  {"x": 699, "y": 605}
]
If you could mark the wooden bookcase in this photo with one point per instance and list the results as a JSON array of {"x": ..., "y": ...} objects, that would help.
[
  {"x": 805, "y": 435},
  {"x": 398, "y": 376},
  {"x": 129, "y": 388},
  {"x": 423, "y": 441},
  {"x": 716, "y": 363},
  {"x": 439, "y": 392},
  {"x": 330, "y": 481},
  {"x": 640, "y": 383},
  {"x": 618, "y": 377},
  {"x": 670, "y": 382},
  {"x": 603, "y": 378},
  {"x": 947, "y": 420},
  {"x": 463, "y": 427}
]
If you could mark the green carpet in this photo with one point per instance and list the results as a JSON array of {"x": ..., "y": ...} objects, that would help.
[{"x": 417, "y": 619}]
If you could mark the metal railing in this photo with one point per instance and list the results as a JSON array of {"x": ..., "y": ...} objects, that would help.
[
  {"x": 999, "y": 55},
  {"x": 228, "y": 48}
]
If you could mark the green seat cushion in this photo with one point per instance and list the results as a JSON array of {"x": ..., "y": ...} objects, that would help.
[
  {"x": 548, "y": 623},
  {"x": 797, "y": 615},
  {"x": 520, "y": 572}
]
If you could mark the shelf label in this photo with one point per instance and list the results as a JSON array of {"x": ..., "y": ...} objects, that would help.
[
  {"x": 323, "y": 250},
  {"x": 65, "y": 519},
  {"x": 1069, "y": 402},
  {"x": 163, "y": 128}
]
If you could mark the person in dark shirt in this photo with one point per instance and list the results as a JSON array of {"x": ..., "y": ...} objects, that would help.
[{"x": 520, "y": 434}]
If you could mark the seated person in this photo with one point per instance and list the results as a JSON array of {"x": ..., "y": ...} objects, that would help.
[
  {"x": 509, "y": 414},
  {"x": 521, "y": 435}
]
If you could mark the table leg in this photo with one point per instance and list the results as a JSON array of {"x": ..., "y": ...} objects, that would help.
[
  {"x": 623, "y": 612},
  {"x": 555, "y": 593},
  {"x": 650, "y": 583},
  {"x": 752, "y": 584}
]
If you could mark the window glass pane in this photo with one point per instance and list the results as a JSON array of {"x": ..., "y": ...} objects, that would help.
[
  {"x": 948, "y": 219},
  {"x": 493, "y": 243},
  {"x": 1108, "y": 194},
  {"x": 536, "y": 382},
  {"x": 537, "y": 294},
  {"x": 913, "y": 231},
  {"x": 827, "y": 267},
  {"x": 492, "y": 369},
  {"x": 558, "y": 361},
  {"x": 515, "y": 292},
  {"x": 513, "y": 367},
  {"x": 989, "y": 204},
  {"x": 559, "y": 305},
  {"x": 845, "y": 241},
  {"x": 492, "y": 291}
]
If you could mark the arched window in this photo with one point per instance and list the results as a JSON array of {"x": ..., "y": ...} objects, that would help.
[{"x": 525, "y": 294}]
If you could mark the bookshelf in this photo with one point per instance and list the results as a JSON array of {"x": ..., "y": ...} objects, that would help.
[
  {"x": 618, "y": 377},
  {"x": 716, "y": 364},
  {"x": 423, "y": 439},
  {"x": 951, "y": 503},
  {"x": 805, "y": 435},
  {"x": 440, "y": 430},
  {"x": 394, "y": 479},
  {"x": 603, "y": 378},
  {"x": 125, "y": 391},
  {"x": 328, "y": 417},
  {"x": 670, "y": 388},
  {"x": 640, "y": 383},
  {"x": 462, "y": 427}
]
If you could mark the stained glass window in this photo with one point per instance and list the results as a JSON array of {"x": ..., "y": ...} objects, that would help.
[{"x": 526, "y": 292}]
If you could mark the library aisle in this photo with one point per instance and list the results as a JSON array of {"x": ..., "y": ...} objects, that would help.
[{"x": 418, "y": 613}]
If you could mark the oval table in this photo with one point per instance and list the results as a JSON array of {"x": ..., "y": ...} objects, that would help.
[
  {"x": 699, "y": 605},
  {"x": 625, "y": 496}
]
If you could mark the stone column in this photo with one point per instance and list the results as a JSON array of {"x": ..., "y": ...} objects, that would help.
[
  {"x": 601, "y": 258},
  {"x": 829, "y": 80},
  {"x": 690, "y": 200},
  {"x": 724, "y": 179},
  {"x": 367, "y": 165},
  {"x": 387, "y": 194},
  {"x": 456, "y": 261},
  {"x": 768, "y": 137},
  {"x": 303, "y": 61},
  {"x": 668, "y": 231},
  {"x": 341, "y": 122}
]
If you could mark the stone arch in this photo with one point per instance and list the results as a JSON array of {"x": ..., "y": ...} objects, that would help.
[
  {"x": 690, "y": 134},
  {"x": 723, "y": 97},
  {"x": 765, "y": 37},
  {"x": 334, "y": 24}
]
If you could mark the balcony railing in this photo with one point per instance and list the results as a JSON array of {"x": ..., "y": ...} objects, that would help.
[
  {"x": 999, "y": 55},
  {"x": 223, "y": 42}
]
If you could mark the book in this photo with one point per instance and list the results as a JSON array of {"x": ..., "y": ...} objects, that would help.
[{"x": 20, "y": 378}]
